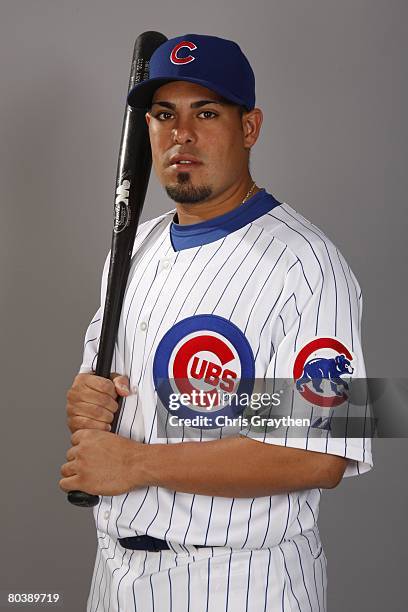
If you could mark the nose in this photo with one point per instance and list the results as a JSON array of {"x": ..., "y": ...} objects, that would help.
[{"x": 182, "y": 131}]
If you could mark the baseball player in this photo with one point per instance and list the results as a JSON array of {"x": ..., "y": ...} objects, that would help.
[{"x": 226, "y": 290}]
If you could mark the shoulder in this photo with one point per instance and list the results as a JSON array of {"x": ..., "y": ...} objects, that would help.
[
  {"x": 301, "y": 236},
  {"x": 161, "y": 221},
  {"x": 149, "y": 231},
  {"x": 146, "y": 233},
  {"x": 307, "y": 244}
]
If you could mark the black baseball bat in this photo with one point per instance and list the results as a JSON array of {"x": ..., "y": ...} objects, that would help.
[{"x": 132, "y": 178}]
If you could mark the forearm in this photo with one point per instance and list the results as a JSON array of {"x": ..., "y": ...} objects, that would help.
[{"x": 236, "y": 467}]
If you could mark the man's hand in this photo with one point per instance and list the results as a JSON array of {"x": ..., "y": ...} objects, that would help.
[
  {"x": 102, "y": 463},
  {"x": 91, "y": 401}
]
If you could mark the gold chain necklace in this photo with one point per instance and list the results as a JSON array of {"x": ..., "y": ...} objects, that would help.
[{"x": 249, "y": 193}]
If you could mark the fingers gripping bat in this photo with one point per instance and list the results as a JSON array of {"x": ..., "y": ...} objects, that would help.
[{"x": 132, "y": 178}]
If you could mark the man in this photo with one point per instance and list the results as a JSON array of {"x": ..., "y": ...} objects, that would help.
[{"x": 228, "y": 289}]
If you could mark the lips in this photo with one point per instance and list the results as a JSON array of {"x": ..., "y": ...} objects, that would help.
[{"x": 183, "y": 161}]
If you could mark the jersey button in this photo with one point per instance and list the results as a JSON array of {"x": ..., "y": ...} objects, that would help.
[
  {"x": 143, "y": 326},
  {"x": 106, "y": 514},
  {"x": 166, "y": 264}
]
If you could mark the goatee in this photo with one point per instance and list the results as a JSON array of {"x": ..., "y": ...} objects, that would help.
[{"x": 186, "y": 193}]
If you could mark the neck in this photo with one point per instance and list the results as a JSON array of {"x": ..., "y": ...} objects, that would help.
[{"x": 217, "y": 205}]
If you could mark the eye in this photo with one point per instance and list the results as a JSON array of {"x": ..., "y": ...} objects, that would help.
[
  {"x": 160, "y": 117},
  {"x": 208, "y": 112}
]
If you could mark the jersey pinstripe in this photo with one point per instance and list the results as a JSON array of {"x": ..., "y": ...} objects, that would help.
[
  {"x": 293, "y": 284},
  {"x": 282, "y": 282}
]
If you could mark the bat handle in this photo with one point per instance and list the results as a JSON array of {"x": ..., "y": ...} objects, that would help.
[
  {"x": 87, "y": 500},
  {"x": 82, "y": 499}
]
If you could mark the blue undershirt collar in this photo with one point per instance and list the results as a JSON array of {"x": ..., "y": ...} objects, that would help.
[{"x": 197, "y": 234}]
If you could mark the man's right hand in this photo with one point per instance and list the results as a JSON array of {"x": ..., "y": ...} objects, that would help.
[{"x": 92, "y": 401}]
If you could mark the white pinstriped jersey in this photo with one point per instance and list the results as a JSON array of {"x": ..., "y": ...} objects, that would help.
[{"x": 262, "y": 298}]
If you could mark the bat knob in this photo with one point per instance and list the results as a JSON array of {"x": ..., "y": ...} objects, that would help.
[{"x": 85, "y": 500}]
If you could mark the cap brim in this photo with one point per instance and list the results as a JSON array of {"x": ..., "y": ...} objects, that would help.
[{"x": 141, "y": 95}]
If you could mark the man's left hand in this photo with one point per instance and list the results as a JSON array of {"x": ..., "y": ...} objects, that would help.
[{"x": 102, "y": 463}]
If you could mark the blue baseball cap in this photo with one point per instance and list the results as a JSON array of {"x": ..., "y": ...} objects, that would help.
[{"x": 210, "y": 61}]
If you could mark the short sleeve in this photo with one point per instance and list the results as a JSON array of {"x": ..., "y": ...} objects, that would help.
[
  {"x": 93, "y": 333},
  {"x": 317, "y": 362},
  {"x": 91, "y": 343},
  {"x": 92, "y": 336}
]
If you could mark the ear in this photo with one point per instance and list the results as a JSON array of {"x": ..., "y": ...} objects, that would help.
[
  {"x": 251, "y": 126},
  {"x": 148, "y": 118}
]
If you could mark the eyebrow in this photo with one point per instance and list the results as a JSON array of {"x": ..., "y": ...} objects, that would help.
[{"x": 198, "y": 104}]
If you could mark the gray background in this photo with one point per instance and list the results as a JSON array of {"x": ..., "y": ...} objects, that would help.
[{"x": 333, "y": 145}]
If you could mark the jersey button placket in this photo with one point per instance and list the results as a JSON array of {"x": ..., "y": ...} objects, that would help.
[
  {"x": 165, "y": 264},
  {"x": 164, "y": 268}
]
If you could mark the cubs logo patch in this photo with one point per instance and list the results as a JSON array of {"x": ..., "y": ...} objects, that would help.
[
  {"x": 175, "y": 58},
  {"x": 203, "y": 357},
  {"x": 318, "y": 370}
]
